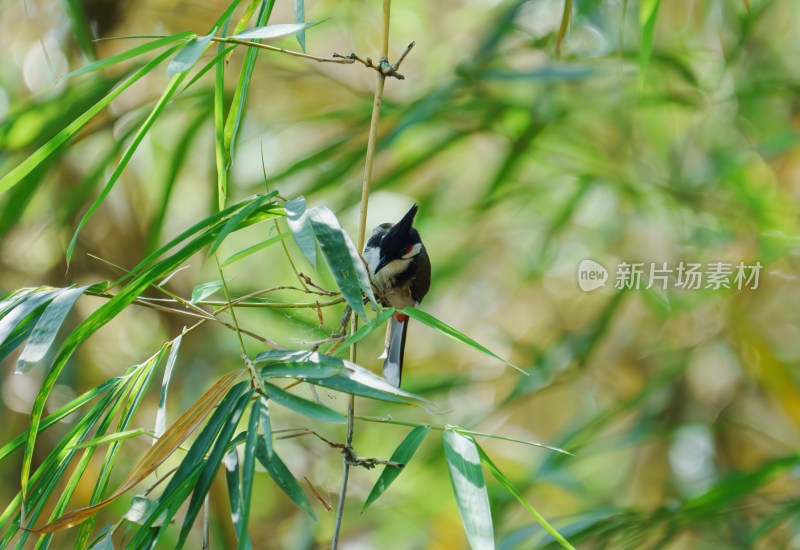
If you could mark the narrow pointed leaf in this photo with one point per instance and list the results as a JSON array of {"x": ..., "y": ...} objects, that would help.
[
  {"x": 447, "y": 330},
  {"x": 248, "y": 473},
  {"x": 299, "y": 19},
  {"x": 189, "y": 55},
  {"x": 283, "y": 477},
  {"x": 240, "y": 216},
  {"x": 402, "y": 455},
  {"x": 128, "y": 54},
  {"x": 161, "y": 414},
  {"x": 255, "y": 248},
  {"x": 489, "y": 465},
  {"x": 344, "y": 265},
  {"x": 25, "y": 307},
  {"x": 204, "y": 290},
  {"x": 46, "y": 329},
  {"x": 270, "y": 32},
  {"x": 469, "y": 488},
  {"x": 300, "y": 226},
  {"x": 366, "y": 329},
  {"x": 305, "y": 407},
  {"x": 264, "y": 422},
  {"x": 231, "y": 462},
  {"x": 648, "y": 14}
]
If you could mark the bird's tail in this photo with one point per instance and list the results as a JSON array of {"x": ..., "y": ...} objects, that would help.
[{"x": 395, "y": 346}]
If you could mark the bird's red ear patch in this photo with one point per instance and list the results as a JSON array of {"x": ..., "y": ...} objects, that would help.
[{"x": 408, "y": 250}]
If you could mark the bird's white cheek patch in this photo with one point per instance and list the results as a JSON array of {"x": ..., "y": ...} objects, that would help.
[{"x": 412, "y": 251}]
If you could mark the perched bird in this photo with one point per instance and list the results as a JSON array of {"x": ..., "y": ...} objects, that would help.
[{"x": 401, "y": 271}]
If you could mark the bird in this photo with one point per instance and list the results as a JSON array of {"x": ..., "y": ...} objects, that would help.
[{"x": 401, "y": 272}]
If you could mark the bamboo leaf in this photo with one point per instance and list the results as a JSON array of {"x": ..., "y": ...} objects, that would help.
[
  {"x": 46, "y": 329},
  {"x": 469, "y": 488},
  {"x": 299, "y": 19},
  {"x": 402, "y": 455},
  {"x": 366, "y": 329},
  {"x": 129, "y": 54},
  {"x": 110, "y": 438},
  {"x": 489, "y": 465},
  {"x": 236, "y": 220},
  {"x": 24, "y": 307},
  {"x": 231, "y": 462},
  {"x": 342, "y": 259},
  {"x": 300, "y": 226},
  {"x": 648, "y": 14},
  {"x": 248, "y": 473},
  {"x": 189, "y": 55},
  {"x": 334, "y": 373},
  {"x": 562, "y": 30},
  {"x": 271, "y": 32},
  {"x": 204, "y": 290},
  {"x": 255, "y": 248},
  {"x": 283, "y": 477},
  {"x": 161, "y": 414},
  {"x": 447, "y": 330},
  {"x": 305, "y": 407}
]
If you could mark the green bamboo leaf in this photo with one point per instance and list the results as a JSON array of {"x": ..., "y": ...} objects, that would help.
[
  {"x": 489, "y": 465},
  {"x": 161, "y": 414},
  {"x": 103, "y": 540},
  {"x": 300, "y": 18},
  {"x": 190, "y": 54},
  {"x": 110, "y": 438},
  {"x": 648, "y": 14},
  {"x": 469, "y": 488},
  {"x": 402, "y": 455},
  {"x": 366, "y": 329},
  {"x": 23, "y": 169},
  {"x": 203, "y": 291},
  {"x": 28, "y": 305},
  {"x": 342, "y": 259},
  {"x": 46, "y": 329},
  {"x": 231, "y": 462},
  {"x": 334, "y": 373},
  {"x": 172, "y": 87},
  {"x": 248, "y": 473},
  {"x": 300, "y": 226},
  {"x": 264, "y": 423},
  {"x": 129, "y": 54},
  {"x": 283, "y": 477},
  {"x": 255, "y": 248},
  {"x": 271, "y": 32},
  {"x": 219, "y": 122},
  {"x": 232, "y": 123},
  {"x": 234, "y": 222},
  {"x": 447, "y": 330},
  {"x": 305, "y": 407}
]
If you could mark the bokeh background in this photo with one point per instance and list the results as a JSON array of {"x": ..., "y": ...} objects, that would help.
[{"x": 681, "y": 407}]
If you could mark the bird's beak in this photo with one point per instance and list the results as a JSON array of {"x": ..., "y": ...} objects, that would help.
[{"x": 382, "y": 263}]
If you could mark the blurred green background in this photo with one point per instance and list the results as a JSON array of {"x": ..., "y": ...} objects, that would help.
[{"x": 680, "y": 406}]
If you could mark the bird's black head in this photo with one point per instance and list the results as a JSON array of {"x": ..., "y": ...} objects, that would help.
[{"x": 401, "y": 241}]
